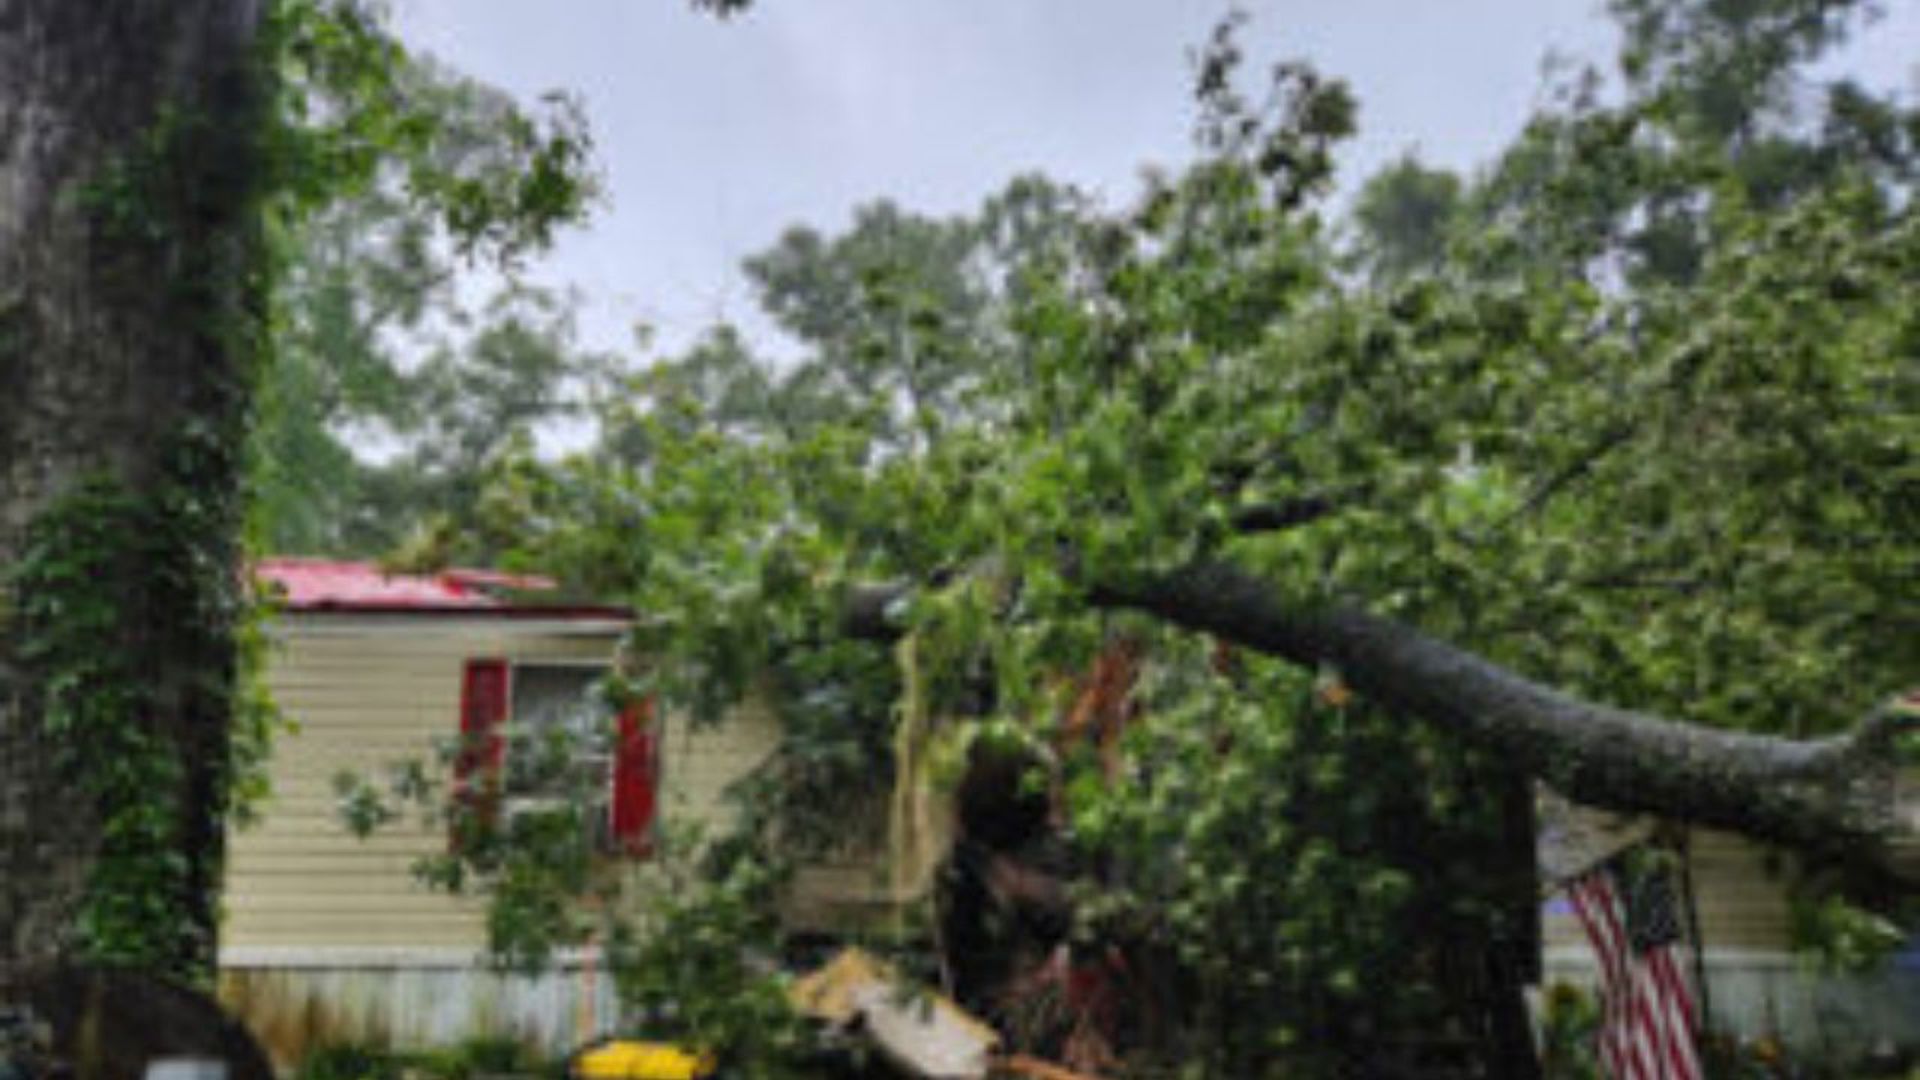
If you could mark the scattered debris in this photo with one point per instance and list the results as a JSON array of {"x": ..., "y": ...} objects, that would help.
[
  {"x": 826, "y": 994},
  {"x": 921, "y": 1033}
]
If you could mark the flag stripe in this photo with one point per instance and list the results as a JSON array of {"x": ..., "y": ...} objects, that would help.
[
  {"x": 1592, "y": 896},
  {"x": 1650, "y": 1036},
  {"x": 1671, "y": 991},
  {"x": 1674, "y": 982},
  {"x": 1647, "y": 1026},
  {"x": 1631, "y": 1017}
]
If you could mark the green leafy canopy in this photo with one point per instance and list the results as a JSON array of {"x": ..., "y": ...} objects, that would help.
[{"x": 1632, "y": 412}]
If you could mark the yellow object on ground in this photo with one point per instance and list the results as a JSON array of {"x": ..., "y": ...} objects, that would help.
[{"x": 625, "y": 1060}]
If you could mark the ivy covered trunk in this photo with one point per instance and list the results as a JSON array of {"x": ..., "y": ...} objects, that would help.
[{"x": 129, "y": 327}]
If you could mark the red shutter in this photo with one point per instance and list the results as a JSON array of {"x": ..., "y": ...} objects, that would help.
[
  {"x": 636, "y": 777},
  {"x": 483, "y": 710}
]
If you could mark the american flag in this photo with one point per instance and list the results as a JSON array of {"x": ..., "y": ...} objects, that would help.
[{"x": 1648, "y": 1014}]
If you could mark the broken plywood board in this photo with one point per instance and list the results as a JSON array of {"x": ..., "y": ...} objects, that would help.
[{"x": 921, "y": 1033}]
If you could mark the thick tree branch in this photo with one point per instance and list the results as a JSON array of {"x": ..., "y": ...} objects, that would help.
[{"x": 1831, "y": 798}]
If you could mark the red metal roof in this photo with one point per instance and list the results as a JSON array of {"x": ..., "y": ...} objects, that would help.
[{"x": 302, "y": 584}]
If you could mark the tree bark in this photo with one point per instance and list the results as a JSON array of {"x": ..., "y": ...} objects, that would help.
[{"x": 128, "y": 286}]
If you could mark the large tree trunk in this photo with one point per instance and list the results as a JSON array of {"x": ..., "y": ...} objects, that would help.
[{"x": 128, "y": 280}]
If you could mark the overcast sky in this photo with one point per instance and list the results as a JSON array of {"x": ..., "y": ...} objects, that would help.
[{"x": 714, "y": 137}]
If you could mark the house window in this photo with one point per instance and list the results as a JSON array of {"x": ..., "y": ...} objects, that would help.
[
  {"x": 558, "y": 739},
  {"x": 536, "y": 736}
]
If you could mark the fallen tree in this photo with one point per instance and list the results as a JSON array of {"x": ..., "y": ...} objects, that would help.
[
  {"x": 1629, "y": 422},
  {"x": 1837, "y": 798}
]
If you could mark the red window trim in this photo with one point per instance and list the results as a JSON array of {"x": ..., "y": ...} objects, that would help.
[
  {"x": 636, "y": 779},
  {"x": 486, "y": 703},
  {"x": 486, "y": 689}
]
